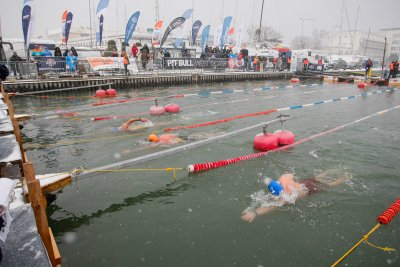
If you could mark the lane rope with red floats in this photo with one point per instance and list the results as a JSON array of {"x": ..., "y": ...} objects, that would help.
[{"x": 217, "y": 164}]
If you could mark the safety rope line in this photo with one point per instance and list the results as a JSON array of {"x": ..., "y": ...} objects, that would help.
[
  {"x": 217, "y": 164},
  {"x": 385, "y": 218},
  {"x": 204, "y": 124}
]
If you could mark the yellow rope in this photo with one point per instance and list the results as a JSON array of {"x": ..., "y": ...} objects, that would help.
[
  {"x": 356, "y": 245},
  {"x": 386, "y": 249}
]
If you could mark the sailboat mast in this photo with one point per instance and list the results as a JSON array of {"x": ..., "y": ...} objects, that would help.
[
  {"x": 157, "y": 9},
  {"x": 90, "y": 27},
  {"x": 259, "y": 29}
]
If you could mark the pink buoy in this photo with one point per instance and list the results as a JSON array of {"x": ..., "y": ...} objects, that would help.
[
  {"x": 157, "y": 110},
  {"x": 100, "y": 93},
  {"x": 265, "y": 141},
  {"x": 172, "y": 108},
  {"x": 111, "y": 92},
  {"x": 361, "y": 85},
  {"x": 295, "y": 80},
  {"x": 285, "y": 137}
]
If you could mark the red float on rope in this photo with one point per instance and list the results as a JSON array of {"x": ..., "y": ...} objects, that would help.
[
  {"x": 265, "y": 141},
  {"x": 172, "y": 108},
  {"x": 101, "y": 93},
  {"x": 361, "y": 85},
  {"x": 389, "y": 213},
  {"x": 294, "y": 80},
  {"x": 285, "y": 137},
  {"x": 111, "y": 92},
  {"x": 157, "y": 110}
]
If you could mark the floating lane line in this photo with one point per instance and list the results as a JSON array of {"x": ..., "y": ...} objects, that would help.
[{"x": 265, "y": 112}]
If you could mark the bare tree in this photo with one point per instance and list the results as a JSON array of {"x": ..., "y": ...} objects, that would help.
[
  {"x": 264, "y": 35},
  {"x": 318, "y": 40},
  {"x": 301, "y": 42}
]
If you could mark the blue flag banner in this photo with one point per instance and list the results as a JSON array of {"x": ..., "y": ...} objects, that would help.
[
  {"x": 177, "y": 22},
  {"x": 26, "y": 19},
  {"x": 204, "y": 37},
  {"x": 225, "y": 28},
  {"x": 101, "y": 29},
  {"x": 68, "y": 23},
  {"x": 131, "y": 26},
  {"x": 103, "y": 4},
  {"x": 195, "y": 30}
]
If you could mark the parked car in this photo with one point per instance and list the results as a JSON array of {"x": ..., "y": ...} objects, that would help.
[
  {"x": 337, "y": 64},
  {"x": 354, "y": 65}
]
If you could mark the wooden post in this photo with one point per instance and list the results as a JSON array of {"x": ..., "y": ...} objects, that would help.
[{"x": 38, "y": 203}]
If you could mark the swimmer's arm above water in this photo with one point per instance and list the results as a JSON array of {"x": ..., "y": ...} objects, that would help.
[{"x": 250, "y": 214}]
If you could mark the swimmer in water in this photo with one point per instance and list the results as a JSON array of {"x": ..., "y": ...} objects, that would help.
[
  {"x": 126, "y": 127},
  {"x": 286, "y": 185},
  {"x": 165, "y": 139}
]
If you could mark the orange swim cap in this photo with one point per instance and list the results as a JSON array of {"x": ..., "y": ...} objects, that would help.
[{"x": 153, "y": 138}]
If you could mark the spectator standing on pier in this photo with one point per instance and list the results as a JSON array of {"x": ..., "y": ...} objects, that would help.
[
  {"x": 37, "y": 51},
  {"x": 125, "y": 60},
  {"x": 134, "y": 51},
  {"x": 57, "y": 52},
  {"x": 368, "y": 67},
  {"x": 15, "y": 59},
  {"x": 396, "y": 68},
  {"x": 46, "y": 52},
  {"x": 66, "y": 53},
  {"x": 245, "y": 56},
  {"x": 74, "y": 53},
  {"x": 391, "y": 70},
  {"x": 289, "y": 61},
  {"x": 71, "y": 62},
  {"x": 305, "y": 64},
  {"x": 275, "y": 63},
  {"x": 114, "y": 53},
  {"x": 144, "y": 55}
]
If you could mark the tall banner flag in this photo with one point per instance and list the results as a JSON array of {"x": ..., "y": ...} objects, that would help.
[
  {"x": 103, "y": 4},
  {"x": 187, "y": 15},
  {"x": 26, "y": 21},
  {"x": 63, "y": 20},
  {"x": 225, "y": 28},
  {"x": 204, "y": 37},
  {"x": 68, "y": 23},
  {"x": 177, "y": 22},
  {"x": 131, "y": 26},
  {"x": 195, "y": 30},
  {"x": 155, "y": 39},
  {"x": 101, "y": 28}
]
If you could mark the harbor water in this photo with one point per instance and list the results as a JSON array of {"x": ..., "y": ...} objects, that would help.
[{"x": 148, "y": 218}]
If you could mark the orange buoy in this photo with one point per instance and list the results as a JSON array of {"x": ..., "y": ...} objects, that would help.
[
  {"x": 100, "y": 93},
  {"x": 295, "y": 80},
  {"x": 157, "y": 110},
  {"x": 265, "y": 141},
  {"x": 111, "y": 92},
  {"x": 285, "y": 137},
  {"x": 361, "y": 85},
  {"x": 172, "y": 108}
]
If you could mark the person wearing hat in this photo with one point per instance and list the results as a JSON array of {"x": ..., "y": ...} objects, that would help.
[
  {"x": 286, "y": 186},
  {"x": 165, "y": 139}
]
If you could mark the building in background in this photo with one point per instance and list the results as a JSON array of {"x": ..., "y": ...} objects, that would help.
[
  {"x": 393, "y": 43},
  {"x": 358, "y": 43}
]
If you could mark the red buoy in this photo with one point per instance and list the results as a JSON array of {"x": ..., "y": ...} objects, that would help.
[
  {"x": 100, "y": 93},
  {"x": 361, "y": 85},
  {"x": 295, "y": 80},
  {"x": 157, "y": 110},
  {"x": 172, "y": 108},
  {"x": 111, "y": 92},
  {"x": 285, "y": 137},
  {"x": 265, "y": 141}
]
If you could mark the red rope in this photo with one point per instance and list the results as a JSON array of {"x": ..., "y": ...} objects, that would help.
[
  {"x": 389, "y": 213},
  {"x": 123, "y": 101},
  {"x": 219, "y": 121}
]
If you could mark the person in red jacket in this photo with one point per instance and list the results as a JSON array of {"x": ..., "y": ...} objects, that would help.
[
  {"x": 305, "y": 64},
  {"x": 134, "y": 51},
  {"x": 391, "y": 69}
]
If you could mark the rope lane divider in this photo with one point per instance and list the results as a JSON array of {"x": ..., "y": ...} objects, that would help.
[
  {"x": 224, "y": 120},
  {"x": 50, "y": 115},
  {"x": 384, "y": 218},
  {"x": 174, "y": 150},
  {"x": 217, "y": 164}
]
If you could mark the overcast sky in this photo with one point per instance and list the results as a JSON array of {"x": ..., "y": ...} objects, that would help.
[{"x": 282, "y": 15}]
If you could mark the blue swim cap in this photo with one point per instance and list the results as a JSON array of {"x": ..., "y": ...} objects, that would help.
[{"x": 275, "y": 187}]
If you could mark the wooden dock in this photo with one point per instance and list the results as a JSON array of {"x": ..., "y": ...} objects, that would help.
[{"x": 138, "y": 81}]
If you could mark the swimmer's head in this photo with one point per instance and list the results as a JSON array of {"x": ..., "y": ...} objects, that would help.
[
  {"x": 274, "y": 186},
  {"x": 153, "y": 138}
]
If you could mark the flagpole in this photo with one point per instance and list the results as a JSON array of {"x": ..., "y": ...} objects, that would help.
[{"x": 90, "y": 17}]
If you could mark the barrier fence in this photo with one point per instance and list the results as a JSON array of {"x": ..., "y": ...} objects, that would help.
[{"x": 47, "y": 67}]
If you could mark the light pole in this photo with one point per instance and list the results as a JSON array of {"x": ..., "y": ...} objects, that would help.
[{"x": 302, "y": 29}]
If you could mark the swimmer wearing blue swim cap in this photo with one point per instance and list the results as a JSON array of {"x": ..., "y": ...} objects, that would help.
[{"x": 274, "y": 186}]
